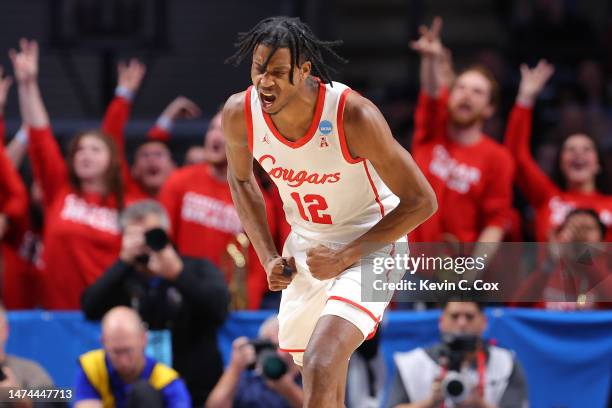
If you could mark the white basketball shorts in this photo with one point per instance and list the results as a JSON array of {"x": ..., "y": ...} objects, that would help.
[{"x": 306, "y": 299}]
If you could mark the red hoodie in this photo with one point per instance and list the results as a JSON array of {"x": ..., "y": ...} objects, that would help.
[
  {"x": 81, "y": 235},
  {"x": 551, "y": 204},
  {"x": 18, "y": 278},
  {"x": 473, "y": 183}
]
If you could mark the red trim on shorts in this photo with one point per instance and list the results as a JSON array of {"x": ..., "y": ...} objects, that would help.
[
  {"x": 249, "y": 117},
  {"x": 340, "y": 123},
  {"x": 373, "y": 332},
  {"x": 313, "y": 125},
  {"x": 382, "y": 208},
  {"x": 292, "y": 350},
  {"x": 357, "y": 305}
]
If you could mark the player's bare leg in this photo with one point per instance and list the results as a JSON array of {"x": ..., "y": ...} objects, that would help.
[
  {"x": 326, "y": 360},
  {"x": 342, "y": 386}
]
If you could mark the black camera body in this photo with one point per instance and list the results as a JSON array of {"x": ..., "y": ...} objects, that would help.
[
  {"x": 456, "y": 386},
  {"x": 272, "y": 365},
  {"x": 156, "y": 239}
]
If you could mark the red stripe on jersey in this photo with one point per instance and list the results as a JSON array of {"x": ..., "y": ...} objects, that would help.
[
  {"x": 344, "y": 146},
  {"x": 382, "y": 208},
  {"x": 249, "y": 117},
  {"x": 355, "y": 304},
  {"x": 313, "y": 125},
  {"x": 292, "y": 350}
]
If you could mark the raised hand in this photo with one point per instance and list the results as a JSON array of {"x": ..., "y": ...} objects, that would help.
[
  {"x": 533, "y": 81},
  {"x": 131, "y": 74},
  {"x": 429, "y": 44},
  {"x": 25, "y": 62},
  {"x": 181, "y": 108},
  {"x": 5, "y": 85}
]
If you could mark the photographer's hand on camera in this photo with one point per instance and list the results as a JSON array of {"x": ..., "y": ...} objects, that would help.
[
  {"x": 286, "y": 385},
  {"x": 475, "y": 400},
  {"x": 165, "y": 263},
  {"x": 280, "y": 272},
  {"x": 436, "y": 397},
  {"x": 243, "y": 354},
  {"x": 132, "y": 244}
]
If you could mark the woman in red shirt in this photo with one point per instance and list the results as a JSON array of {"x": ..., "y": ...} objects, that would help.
[
  {"x": 82, "y": 196},
  {"x": 579, "y": 166}
]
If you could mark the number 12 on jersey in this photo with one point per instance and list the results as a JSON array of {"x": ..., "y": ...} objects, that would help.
[{"x": 314, "y": 203}]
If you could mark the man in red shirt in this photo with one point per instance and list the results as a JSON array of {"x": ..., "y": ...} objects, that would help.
[
  {"x": 202, "y": 213},
  {"x": 153, "y": 159},
  {"x": 470, "y": 173}
]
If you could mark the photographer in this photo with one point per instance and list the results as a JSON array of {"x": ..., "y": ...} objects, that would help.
[
  {"x": 185, "y": 295},
  {"x": 462, "y": 371},
  {"x": 257, "y": 375}
]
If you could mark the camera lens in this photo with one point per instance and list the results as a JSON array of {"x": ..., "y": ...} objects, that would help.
[
  {"x": 273, "y": 367},
  {"x": 454, "y": 388}
]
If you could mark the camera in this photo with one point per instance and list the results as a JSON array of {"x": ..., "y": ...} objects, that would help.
[
  {"x": 156, "y": 239},
  {"x": 272, "y": 365},
  {"x": 457, "y": 385}
]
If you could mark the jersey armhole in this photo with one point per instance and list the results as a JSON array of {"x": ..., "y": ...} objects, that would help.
[
  {"x": 339, "y": 120},
  {"x": 249, "y": 117}
]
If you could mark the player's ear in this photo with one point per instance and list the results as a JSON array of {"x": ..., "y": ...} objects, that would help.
[{"x": 305, "y": 69}]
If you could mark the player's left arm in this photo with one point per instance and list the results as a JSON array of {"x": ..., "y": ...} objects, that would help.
[{"x": 368, "y": 136}]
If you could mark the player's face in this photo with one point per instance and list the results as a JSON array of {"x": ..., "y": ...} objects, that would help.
[
  {"x": 579, "y": 162},
  {"x": 152, "y": 165},
  {"x": 92, "y": 158},
  {"x": 462, "y": 318},
  {"x": 214, "y": 144},
  {"x": 470, "y": 99},
  {"x": 273, "y": 84}
]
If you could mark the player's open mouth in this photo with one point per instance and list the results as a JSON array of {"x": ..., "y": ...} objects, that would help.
[{"x": 267, "y": 99}]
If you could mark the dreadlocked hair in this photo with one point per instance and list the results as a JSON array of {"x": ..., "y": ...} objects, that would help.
[{"x": 292, "y": 33}]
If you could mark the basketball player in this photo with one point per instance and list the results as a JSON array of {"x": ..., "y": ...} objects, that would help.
[{"x": 344, "y": 182}]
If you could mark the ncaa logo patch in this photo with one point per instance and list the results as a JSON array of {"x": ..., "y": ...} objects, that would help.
[{"x": 325, "y": 127}]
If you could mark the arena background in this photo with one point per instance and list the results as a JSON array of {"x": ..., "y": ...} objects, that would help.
[{"x": 184, "y": 44}]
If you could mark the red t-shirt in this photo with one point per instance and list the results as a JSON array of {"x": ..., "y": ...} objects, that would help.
[
  {"x": 473, "y": 183},
  {"x": 551, "y": 204},
  {"x": 81, "y": 236},
  {"x": 205, "y": 221}
]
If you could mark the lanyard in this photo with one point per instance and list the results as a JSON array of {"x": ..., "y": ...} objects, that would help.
[{"x": 480, "y": 365}]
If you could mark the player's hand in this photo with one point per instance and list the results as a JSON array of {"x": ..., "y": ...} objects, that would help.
[
  {"x": 324, "y": 263},
  {"x": 429, "y": 44},
  {"x": 25, "y": 62},
  {"x": 131, "y": 74},
  {"x": 533, "y": 81},
  {"x": 5, "y": 85},
  {"x": 181, "y": 108},
  {"x": 275, "y": 269}
]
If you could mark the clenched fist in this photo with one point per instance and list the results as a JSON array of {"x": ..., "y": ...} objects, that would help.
[{"x": 280, "y": 272}]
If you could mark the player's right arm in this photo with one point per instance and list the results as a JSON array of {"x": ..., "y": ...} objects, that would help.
[{"x": 247, "y": 196}]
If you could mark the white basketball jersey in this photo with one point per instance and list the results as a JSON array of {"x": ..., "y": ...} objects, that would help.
[{"x": 327, "y": 195}]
